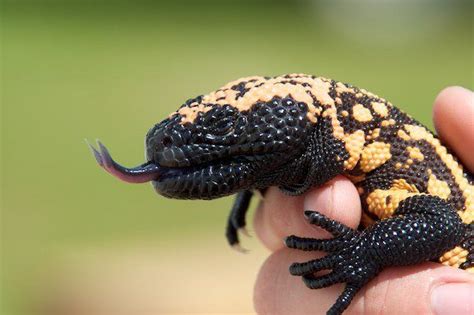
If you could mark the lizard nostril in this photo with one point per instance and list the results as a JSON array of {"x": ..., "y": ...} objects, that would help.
[{"x": 166, "y": 141}]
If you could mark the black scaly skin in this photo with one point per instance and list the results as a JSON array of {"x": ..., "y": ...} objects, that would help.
[
  {"x": 207, "y": 150},
  {"x": 237, "y": 214},
  {"x": 468, "y": 244},
  {"x": 424, "y": 227}
]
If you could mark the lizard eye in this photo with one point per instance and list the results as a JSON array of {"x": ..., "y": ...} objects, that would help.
[
  {"x": 220, "y": 122},
  {"x": 223, "y": 126}
]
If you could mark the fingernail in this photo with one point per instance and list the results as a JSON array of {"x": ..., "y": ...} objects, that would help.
[{"x": 453, "y": 298}]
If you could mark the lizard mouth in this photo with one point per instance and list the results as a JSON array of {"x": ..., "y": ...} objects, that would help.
[
  {"x": 207, "y": 181},
  {"x": 211, "y": 179}
]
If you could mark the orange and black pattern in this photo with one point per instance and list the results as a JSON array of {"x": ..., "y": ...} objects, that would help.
[
  {"x": 389, "y": 155},
  {"x": 297, "y": 131}
]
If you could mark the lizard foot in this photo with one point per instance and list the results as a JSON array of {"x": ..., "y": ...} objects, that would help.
[{"x": 347, "y": 259}]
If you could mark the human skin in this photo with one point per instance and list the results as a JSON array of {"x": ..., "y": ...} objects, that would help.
[{"x": 427, "y": 288}]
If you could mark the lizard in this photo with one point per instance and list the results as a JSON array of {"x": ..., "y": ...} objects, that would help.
[{"x": 297, "y": 131}]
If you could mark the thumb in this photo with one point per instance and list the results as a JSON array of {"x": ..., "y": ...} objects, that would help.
[{"x": 428, "y": 288}]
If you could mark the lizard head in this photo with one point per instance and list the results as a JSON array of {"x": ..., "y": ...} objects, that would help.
[{"x": 208, "y": 148}]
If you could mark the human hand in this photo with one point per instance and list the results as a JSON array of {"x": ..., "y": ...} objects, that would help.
[{"x": 427, "y": 288}]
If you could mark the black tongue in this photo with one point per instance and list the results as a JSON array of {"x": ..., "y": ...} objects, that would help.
[{"x": 140, "y": 174}]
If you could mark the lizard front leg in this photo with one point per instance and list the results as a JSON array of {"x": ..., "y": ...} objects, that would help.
[
  {"x": 236, "y": 220},
  {"x": 423, "y": 227}
]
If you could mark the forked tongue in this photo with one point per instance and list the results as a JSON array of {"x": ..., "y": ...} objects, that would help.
[{"x": 140, "y": 174}]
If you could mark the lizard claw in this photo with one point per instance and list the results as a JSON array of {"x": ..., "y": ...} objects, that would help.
[
  {"x": 239, "y": 248},
  {"x": 244, "y": 231},
  {"x": 347, "y": 260}
]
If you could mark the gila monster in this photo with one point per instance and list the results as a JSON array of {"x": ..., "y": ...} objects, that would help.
[{"x": 297, "y": 131}]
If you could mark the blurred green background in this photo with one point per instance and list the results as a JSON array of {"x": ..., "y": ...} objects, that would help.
[{"x": 110, "y": 70}]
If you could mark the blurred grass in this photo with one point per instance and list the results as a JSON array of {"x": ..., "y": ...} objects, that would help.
[{"x": 111, "y": 70}]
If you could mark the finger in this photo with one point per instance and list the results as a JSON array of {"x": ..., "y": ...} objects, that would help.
[
  {"x": 277, "y": 292},
  {"x": 454, "y": 121},
  {"x": 280, "y": 215},
  {"x": 423, "y": 289}
]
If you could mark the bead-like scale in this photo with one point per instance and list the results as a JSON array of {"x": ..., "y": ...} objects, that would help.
[{"x": 297, "y": 131}]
